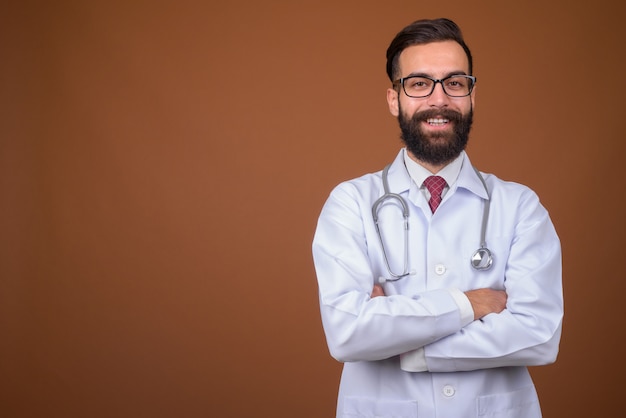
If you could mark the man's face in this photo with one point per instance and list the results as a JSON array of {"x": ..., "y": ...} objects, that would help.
[{"x": 434, "y": 128}]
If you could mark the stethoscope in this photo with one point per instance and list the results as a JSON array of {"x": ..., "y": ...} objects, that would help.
[{"x": 482, "y": 259}]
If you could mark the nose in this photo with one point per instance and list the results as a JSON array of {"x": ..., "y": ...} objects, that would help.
[{"x": 438, "y": 97}]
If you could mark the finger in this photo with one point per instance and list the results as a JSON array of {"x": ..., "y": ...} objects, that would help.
[{"x": 377, "y": 291}]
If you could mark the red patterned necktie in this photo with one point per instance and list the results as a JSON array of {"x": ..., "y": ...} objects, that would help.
[{"x": 435, "y": 185}]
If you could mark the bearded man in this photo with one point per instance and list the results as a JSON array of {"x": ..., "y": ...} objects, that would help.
[{"x": 438, "y": 284}]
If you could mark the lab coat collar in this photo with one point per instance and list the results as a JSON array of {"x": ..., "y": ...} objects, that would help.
[
  {"x": 400, "y": 181},
  {"x": 469, "y": 180},
  {"x": 398, "y": 176}
]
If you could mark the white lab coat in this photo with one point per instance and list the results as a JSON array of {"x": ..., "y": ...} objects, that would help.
[{"x": 475, "y": 370}]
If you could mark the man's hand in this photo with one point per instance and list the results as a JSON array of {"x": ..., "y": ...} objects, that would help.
[
  {"x": 486, "y": 301},
  {"x": 377, "y": 291}
]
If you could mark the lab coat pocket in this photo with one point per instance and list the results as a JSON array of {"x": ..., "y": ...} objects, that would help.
[
  {"x": 522, "y": 403},
  {"x": 361, "y": 407}
]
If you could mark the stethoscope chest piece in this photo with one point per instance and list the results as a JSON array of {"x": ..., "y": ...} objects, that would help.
[{"x": 482, "y": 259}]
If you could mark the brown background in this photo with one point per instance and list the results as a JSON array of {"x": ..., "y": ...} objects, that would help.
[{"x": 163, "y": 164}]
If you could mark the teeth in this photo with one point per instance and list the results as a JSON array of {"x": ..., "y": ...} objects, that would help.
[{"x": 434, "y": 121}]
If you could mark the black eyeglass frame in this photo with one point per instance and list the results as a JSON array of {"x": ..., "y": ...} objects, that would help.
[{"x": 401, "y": 81}]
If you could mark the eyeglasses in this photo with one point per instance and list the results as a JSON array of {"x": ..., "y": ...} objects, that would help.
[{"x": 423, "y": 86}]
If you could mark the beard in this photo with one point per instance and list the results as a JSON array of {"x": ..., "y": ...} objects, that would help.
[{"x": 439, "y": 147}]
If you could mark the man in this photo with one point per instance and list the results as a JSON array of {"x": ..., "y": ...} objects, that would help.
[{"x": 426, "y": 325}]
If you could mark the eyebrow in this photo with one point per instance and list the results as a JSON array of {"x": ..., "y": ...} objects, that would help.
[{"x": 419, "y": 74}]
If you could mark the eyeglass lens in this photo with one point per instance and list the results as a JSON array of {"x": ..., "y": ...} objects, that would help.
[{"x": 454, "y": 86}]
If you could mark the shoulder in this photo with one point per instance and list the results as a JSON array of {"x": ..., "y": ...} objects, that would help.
[
  {"x": 515, "y": 198},
  {"x": 507, "y": 188},
  {"x": 358, "y": 190}
]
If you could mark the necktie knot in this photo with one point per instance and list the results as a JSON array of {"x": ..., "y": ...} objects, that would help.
[{"x": 435, "y": 185}]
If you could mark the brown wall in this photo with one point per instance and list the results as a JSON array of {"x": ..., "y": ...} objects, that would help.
[{"x": 162, "y": 168}]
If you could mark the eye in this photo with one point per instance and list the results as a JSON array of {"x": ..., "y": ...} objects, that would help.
[
  {"x": 417, "y": 83},
  {"x": 457, "y": 83}
]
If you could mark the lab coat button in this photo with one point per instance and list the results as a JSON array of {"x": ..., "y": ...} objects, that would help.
[
  {"x": 448, "y": 390},
  {"x": 440, "y": 269}
]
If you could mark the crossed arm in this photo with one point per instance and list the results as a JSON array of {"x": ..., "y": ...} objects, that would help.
[
  {"x": 483, "y": 301},
  {"x": 362, "y": 323}
]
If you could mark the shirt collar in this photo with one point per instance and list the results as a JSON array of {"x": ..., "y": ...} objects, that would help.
[
  {"x": 400, "y": 181},
  {"x": 418, "y": 173}
]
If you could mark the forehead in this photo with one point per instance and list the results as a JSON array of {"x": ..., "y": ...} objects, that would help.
[{"x": 436, "y": 59}]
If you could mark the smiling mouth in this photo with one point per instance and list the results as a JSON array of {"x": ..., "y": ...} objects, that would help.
[{"x": 437, "y": 121}]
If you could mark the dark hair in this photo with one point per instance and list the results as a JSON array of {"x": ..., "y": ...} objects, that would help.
[{"x": 423, "y": 32}]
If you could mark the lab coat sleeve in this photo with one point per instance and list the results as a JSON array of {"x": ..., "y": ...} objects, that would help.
[
  {"x": 527, "y": 332},
  {"x": 415, "y": 361},
  {"x": 357, "y": 327}
]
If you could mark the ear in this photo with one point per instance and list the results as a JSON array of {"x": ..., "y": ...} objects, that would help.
[
  {"x": 392, "y": 102},
  {"x": 473, "y": 97}
]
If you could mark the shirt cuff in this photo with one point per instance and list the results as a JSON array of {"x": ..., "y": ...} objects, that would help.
[
  {"x": 414, "y": 361},
  {"x": 465, "y": 307}
]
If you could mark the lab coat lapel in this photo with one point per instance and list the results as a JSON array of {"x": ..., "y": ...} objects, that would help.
[
  {"x": 400, "y": 182},
  {"x": 469, "y": 180},
  {"x": 398, "y": 178}
]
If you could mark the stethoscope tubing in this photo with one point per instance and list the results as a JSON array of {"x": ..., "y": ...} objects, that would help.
[
  {"x": 482, "y": 259},
  {"x": 405, "y": 214}
]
